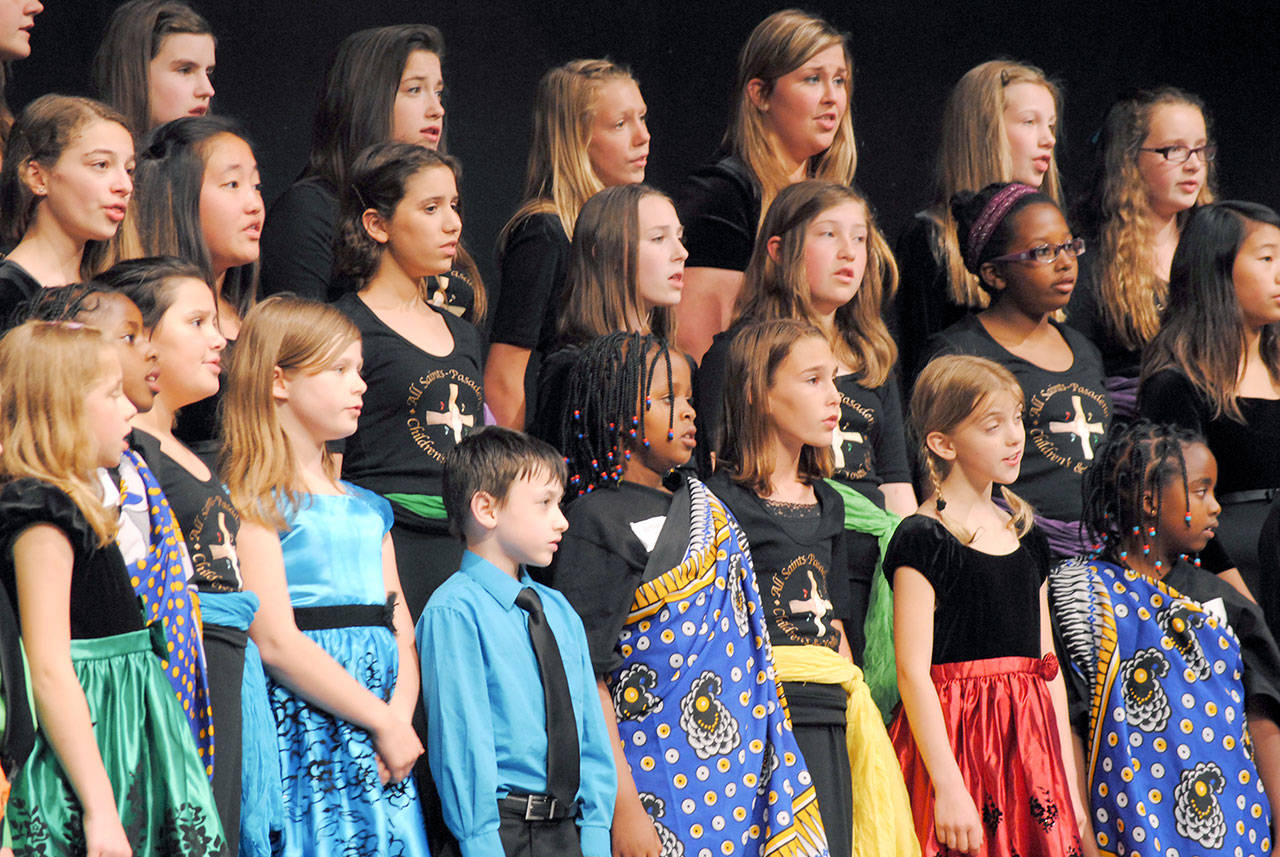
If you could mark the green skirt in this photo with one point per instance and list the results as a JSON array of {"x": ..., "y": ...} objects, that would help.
[{"x": 161, "y": 789}]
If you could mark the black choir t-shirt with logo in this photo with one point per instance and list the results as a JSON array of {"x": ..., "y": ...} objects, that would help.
[
  {"x": 870, "y": 444},
  {"x": 1067, "y": 414},
  {"x": 202, "y": 508},
  {"x": 417, "y": 407}
]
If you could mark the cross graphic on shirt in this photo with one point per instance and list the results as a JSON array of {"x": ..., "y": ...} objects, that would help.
[
  {"x": 838, "y": 440},
  {"x": 1079, "y": 426},
  {"x": 819, "y": 607},
  {"x": 451, "y": 416}
]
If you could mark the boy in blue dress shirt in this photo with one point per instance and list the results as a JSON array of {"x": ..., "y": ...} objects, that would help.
[{"x": 516, "y": 739}]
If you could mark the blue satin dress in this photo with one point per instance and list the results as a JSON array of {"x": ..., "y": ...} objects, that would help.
[{"x": 334, "y": 802}]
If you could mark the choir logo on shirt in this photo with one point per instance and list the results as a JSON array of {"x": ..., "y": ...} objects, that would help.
[
  {"x": 799, "y": 603},
  {"x": 853, "y": 448},
  {"x": 444, "y": 407},
  {"x": 213, "y": 544},
  {"x": 1067, "y": 423}
]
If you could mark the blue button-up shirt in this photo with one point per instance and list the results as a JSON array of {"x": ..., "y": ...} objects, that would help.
[{"x": 486, "y": 714}]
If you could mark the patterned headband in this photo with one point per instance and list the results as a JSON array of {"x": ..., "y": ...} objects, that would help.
[{"x": 990, "y": 218}]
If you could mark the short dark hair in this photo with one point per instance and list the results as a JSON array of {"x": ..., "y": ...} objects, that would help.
[
  {"x": 490, "y": 461},
  {"x": 148, "y": 282}
]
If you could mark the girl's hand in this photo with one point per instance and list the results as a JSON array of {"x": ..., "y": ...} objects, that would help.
[
  {"x": 104, "y": 835},
  {"x": 957, "y": 824},
  {"x": 398, "y": 748},
  {"x": 633, "y": 832}
]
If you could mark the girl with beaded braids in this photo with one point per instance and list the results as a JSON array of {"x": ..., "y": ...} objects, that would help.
[
  {"x": 1018, "y": 244},
  {"x": 983, "y": 713},
  {"x": 1182, "y": 658},
  {"x": 646, "y": 562}
]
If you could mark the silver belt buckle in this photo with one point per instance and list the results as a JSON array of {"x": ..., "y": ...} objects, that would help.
[{"x": 545, "y": 804}]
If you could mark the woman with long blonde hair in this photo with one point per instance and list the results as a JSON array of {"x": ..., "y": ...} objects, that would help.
[
  {"x": 790, "y": 122},
  {"x": 1155, "y": 164},
  {"x": 589, "y": 133},
  {"x": 1000, "y": 124}
]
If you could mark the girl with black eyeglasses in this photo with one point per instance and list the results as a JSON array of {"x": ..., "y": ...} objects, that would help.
[{"x": 1017, "y": 242}]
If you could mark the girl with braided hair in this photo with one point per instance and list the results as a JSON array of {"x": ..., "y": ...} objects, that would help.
[
  {"x": 660, "y": 573},
  {"x": 1173, "y": 679},
  {"x": 983, "y": 715}
]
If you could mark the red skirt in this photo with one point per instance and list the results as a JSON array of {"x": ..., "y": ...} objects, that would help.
[{"x": 1001, "y": 725}]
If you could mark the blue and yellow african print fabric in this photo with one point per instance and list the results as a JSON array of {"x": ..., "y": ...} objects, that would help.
[{"x": 699, "y": 709}]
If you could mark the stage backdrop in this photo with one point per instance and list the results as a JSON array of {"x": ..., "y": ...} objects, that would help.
[{"x": 907, "y": 54}]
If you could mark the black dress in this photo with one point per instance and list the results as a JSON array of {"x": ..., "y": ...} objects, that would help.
[
  {"x": 1067, "y": 415},
  {"x": 1248, "y": 469},
  {"x": 417, "y": 407},
  {"x": 719, "y": 207},
  {"x": 796, "y": 552},
  {"x": 532, "y": 270}
]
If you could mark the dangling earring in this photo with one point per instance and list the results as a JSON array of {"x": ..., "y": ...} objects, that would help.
[{"x": 935, "y": 483}]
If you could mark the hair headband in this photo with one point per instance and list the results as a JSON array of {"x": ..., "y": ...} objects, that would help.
[{"x": 994, "y": 212}]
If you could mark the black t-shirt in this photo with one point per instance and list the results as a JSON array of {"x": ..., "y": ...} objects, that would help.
[
  {"x": 602, "y": 559},
  {"x": 1084, "y": 313},
  {"x": 297, "y": 242},
  {"x": 923, "y": 305},
  {"x": 1257, "y": 647},
  {"x": 16, "y": 288},
  {"x": 719, "y": 206},
  {"x": 1246, "y": 451},
  {"x": 1067, "y": 415},
  {"x": 985, "y": 605},
  {"x": 198, "y": 425},
  {"x": 417, "y": 407},
  {"x": 531, "y": 275},
  {"x": 103, "y": 602},
  {"x": 202, "y": 508},
  {"x": 553, "y": 379},
  {"x": 798, "y": 558}
]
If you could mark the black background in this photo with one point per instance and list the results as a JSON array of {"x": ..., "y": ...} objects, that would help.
[{"x": 272, "y": 55}]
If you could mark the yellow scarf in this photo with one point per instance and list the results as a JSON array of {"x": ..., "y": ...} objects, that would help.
[{"x": 882, "y": 822}]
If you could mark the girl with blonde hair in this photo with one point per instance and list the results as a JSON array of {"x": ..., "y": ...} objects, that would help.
[
  {"x": 790, "y": 122},
  {"x": 333, "y": 628},
  {"x": 113, "y": 753},
  {"x": 589, "y": 133},
  {"x": 968, "y": 682},
  {"x": 1155, "y": 164},
  {"x": 1000, "y": 124}
]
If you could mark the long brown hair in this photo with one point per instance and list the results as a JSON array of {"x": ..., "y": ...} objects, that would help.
[
  {"x": 559, "y": 177},
  {"x": 949, "y": 390},
  {"x": 43, "y": 131},
  {"x": 779, "y": 45},
  {"x": 601, "y": 293},
  {"x": 46, "y": 369},
  {"x": 257, "y": 461},
  {"x": 754, "y": 356},
  {"x": 1202, "y": 332},
  {"x": 135, "y": 33},
  {"x": 779, "y": 288},
  {"x": 974, "y": 153},
  {"x": 1129, "y": 292}
]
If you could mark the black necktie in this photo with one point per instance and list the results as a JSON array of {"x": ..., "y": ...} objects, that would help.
[{"x": 562, "y": 727}]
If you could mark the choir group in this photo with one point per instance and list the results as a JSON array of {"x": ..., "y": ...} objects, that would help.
[{"x": 742, "y": 532}]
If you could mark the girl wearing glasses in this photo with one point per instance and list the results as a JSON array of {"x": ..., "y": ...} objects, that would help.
[
  {"x": 1015, "y": 240},
  {"x": 1214, "y": 366},
  {"x": 1155, "y": 162}
]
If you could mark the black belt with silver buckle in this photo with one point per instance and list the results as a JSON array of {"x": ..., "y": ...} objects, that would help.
[
  {"x": 1233, "y": 497},
  {"x": 538, "y": 807}
]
